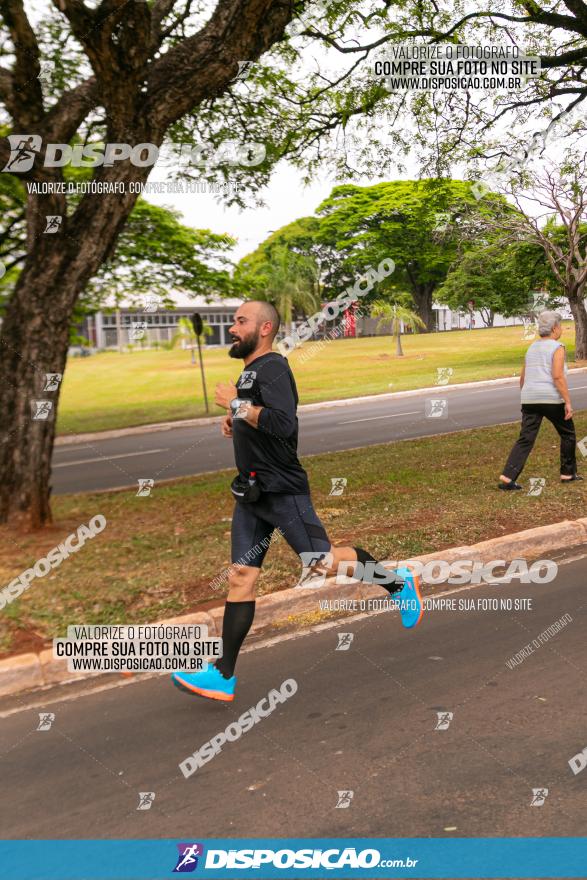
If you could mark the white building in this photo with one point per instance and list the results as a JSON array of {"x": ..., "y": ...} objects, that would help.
[
  {"x": 448, "y": 319},
  {"x": 151, "y": 323},
  {"x": 115, "y": 327}
]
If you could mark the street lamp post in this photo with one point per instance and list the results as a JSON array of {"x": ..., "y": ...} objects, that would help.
[{"x": 198, "y": 325}]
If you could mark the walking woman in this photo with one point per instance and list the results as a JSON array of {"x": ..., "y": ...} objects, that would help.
[{"x": 545, "y": 393}]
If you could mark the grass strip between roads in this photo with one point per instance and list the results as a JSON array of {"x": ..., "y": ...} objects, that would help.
[
  {"x": 158, "y": 555},
  {"x": 111, "y": 390}
]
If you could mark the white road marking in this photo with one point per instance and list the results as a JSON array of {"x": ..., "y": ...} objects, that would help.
[
  {"x": 108, "y": 457},
  {"x": 514, "y": 388},
  {"x": 374, "y": 418},
  {"x": 485, "y": 390}
]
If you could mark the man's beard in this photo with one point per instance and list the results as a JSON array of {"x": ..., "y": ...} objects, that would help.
[{"x": 242, "y": 348}]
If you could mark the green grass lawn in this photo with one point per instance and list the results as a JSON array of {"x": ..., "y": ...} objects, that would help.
[
  {"x": 111, "y": 390},
  {"x": 158, "y": 555}
]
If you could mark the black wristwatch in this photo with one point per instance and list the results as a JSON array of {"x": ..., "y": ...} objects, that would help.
[{"x": 240, "y": 404}]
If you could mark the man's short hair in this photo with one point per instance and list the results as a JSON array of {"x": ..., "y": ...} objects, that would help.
[
  {"x": 268, "y": 312},
  {"x": 547, "y": 321}
]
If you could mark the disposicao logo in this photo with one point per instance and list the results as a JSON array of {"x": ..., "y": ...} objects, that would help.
[{"x": 187, "y": 860}]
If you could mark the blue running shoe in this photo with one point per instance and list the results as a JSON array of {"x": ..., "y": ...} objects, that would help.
[
  {"x": 409, "y": 598},
  {"x": 207, "y": 683}
]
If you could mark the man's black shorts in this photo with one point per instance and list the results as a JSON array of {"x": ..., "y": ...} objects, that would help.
[{"x": 295, "y": 517}]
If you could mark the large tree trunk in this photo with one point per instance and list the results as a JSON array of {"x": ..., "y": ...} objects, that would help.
[
  {"x": 577, "y": 304},
  {"x": 34, "y": 341},
  {"x": 422, "y": 296}
]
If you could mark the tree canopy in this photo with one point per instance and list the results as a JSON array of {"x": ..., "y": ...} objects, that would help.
[
  {"x": 495, "y": 277},
  {"x": 419, "y": 224}
]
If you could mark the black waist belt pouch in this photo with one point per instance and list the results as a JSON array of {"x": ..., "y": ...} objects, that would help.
[{"x": 243, "y": 491}]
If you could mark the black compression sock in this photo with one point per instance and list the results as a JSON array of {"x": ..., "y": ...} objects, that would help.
[
  {"x": 238, "y": 617},
  {"x": 376, "y": 573}
]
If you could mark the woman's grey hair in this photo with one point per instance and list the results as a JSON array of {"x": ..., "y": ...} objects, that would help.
[{"x": 547, "y": 321}]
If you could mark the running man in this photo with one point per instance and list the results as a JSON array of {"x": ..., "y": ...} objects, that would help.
[{"x": 272, "y": 492}]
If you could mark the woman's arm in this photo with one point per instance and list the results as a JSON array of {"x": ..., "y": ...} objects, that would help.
[
  {"x": 559, "y": 379},
  {"x": 522, "y": 375}
]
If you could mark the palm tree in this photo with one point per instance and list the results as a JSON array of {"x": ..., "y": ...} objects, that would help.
[
  {"x": 186, "y": 334},
  {"x": 290, "y": 281},
  {"x": 391, "y": 313}
]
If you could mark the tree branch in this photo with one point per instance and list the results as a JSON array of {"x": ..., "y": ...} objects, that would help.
[
  {"x": 553, "y": 19},
  {"x": 25, "y": 99},
  {"x": 64, "y": 119},
  {"x": 5, "y": 85},
  {"x": 564, "y": 58},
  {"x": 579, "y": 10},
  {"x": 159, "y": 11},
  {"x": 239, "y": 30},
  {"x": 60, "y": 124},
  {"x": 79, "y": 16},
  {"x": 117, "y": 40}
]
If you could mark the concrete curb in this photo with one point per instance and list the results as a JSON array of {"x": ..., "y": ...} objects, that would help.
[
  {"x": 69, "y": 439},
  {"x": 20, "y": 673},
  {"x": 26, "y": 671}
]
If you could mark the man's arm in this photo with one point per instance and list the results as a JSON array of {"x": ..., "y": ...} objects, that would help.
[
  {"x": 226, "y": 426},
  {"x": 225, "y": 394},
  {"x": 250, "y": 414},
  {"x": 277, "y": 416}
]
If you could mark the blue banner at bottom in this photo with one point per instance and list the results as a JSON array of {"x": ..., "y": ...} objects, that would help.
[{"x": 369, "y": 858}]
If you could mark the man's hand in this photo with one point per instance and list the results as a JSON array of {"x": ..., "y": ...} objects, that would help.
[
  {"x": 225, "y": 392},
  {"x": 568, "y": 411},
  {"x": 226, "y": 426}
]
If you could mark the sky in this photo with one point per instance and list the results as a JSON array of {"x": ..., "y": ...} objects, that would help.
[{"x": 286, "y": 197}]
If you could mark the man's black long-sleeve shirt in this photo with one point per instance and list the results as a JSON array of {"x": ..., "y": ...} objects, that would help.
[{"x": 270, "y": 450}]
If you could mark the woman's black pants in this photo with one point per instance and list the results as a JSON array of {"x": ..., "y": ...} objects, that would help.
[{"x": 532, "y": 415}]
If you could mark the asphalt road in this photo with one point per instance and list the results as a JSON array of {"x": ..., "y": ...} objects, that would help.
[
  {"x": 362, "y": 720},
  {"x": 160, "y": 455}
]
